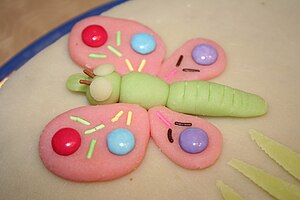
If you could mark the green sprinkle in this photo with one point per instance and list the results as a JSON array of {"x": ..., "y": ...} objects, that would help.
[
  {"x": 91, "y": 149},
  {"x": 118, "y": 38},
  {"x": 115, "y": 51},
  {"x": 275, "y": 186},
  {"x": 101, "y": 126},
  {"x": 283, "y": 155},
  {"x": 92, "y": 130},
  {"x": 80, "y": 120},
  {"x": 227, "y": 192},
  {"x": 96, "y": 55}
]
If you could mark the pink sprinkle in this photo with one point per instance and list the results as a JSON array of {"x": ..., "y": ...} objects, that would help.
[
  {"x": 171, "y": 74},
  {"x": 163, "y": 119}
]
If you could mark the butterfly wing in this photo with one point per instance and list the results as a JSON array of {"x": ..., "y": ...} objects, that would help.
[
  {"x": 96, "y": 143},
  {"x": 189, "y": 141},
  {"x": 197, "y": 59},
  {"x": 127, "y": 44}
]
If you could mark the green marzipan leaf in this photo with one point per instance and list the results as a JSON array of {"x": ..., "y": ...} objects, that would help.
[
  {"x": 284, "y": 156},
  {"x": 227, "y": 192},
  {"x": 275, "y": 186}
]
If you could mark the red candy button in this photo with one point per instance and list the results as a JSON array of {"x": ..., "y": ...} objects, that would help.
[
  {"x": 66, "y": 141},
  {"x": 94, "y": 36}
]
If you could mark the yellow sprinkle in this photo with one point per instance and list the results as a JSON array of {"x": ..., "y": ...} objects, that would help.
[
  {"x": 117, "y": 116},
  {"x": 142, "y": 65},
  {"x": 129, "y": 118},
  {"x": 129, "y": 65}
]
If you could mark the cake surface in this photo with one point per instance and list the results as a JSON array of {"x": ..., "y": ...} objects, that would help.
[{"x": 261, "y": 40}]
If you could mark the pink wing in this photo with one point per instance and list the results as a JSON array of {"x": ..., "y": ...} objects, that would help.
[
  {"x": 80, "y": 144},
  {"x": 99, "y": 40},
  {"x": 197, "y": 59},
  {"x": 189, "y": 141}
]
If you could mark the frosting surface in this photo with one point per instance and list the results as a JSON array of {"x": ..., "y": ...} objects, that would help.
[{"x": 255, "y": 64}]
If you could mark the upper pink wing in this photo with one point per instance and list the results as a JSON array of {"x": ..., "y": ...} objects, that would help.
[
  {"x": 115, "y": 51},
  {"x": 181, "y": 66}
]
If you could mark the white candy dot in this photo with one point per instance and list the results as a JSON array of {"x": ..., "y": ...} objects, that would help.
[
  {"x": 101, "y": 88},
  {"x": 103, "y": 70}
]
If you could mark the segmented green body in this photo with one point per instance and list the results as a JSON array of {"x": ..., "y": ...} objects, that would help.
[
  {"x": 212, "y": 99},
  {"x": 191, "y": 97}
]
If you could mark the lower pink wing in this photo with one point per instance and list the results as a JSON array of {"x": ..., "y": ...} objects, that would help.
[
  {"x": 197, "y": 59},
  {"x": 74, "y": 145},
  {"x": 189, "y": 141}
]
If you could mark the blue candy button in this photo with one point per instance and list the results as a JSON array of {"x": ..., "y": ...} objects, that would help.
[
  {"x": 120, "y": 141},
  {"x": 143, "y": 43}
]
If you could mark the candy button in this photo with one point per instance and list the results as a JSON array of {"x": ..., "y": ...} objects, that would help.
[
  {"x": 193, "y": 140},
  {"x": 143, "y": 43},
  {"x": 94, "y": 36},
  {"x": 120, "y": 141},
  {"x": 66, "y": 141},
  {"x": 204, "y": 54}
]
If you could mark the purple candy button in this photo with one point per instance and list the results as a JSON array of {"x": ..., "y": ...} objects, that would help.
[
  {"x": 193, "y": 140},
  {"x": 204, "y": 54}
]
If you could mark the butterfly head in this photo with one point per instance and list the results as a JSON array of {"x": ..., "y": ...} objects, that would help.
[{"x": 101, "y": 85}]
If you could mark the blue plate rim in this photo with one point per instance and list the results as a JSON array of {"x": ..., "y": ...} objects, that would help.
[{"x": 31, "y": 50}]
